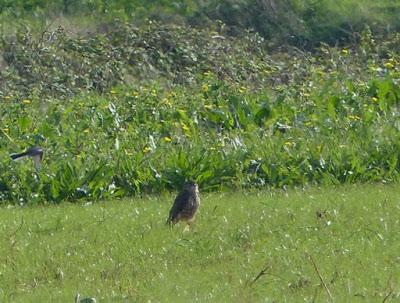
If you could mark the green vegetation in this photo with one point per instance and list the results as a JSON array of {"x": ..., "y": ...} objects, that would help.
[
  {"x": 135, "y": 109},
  {"x": 304, "y": 23},
  {"x": 132, "y": 98},
  {"x": 139, "y": 110},
  {"x": 122, "y": 251}
]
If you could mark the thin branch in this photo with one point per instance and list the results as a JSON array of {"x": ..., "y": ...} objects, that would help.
[
  {"x": 260, "y": 274},
  {"x": 319, "y": 275},
  {"x": 387, "y": 296}
]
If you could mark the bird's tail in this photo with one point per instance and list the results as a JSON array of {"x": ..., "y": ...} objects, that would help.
[{"x": 19, "y": 156}]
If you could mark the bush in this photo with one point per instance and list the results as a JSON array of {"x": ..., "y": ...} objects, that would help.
[
  {"x": 303, "y": 23},
  {"x": 56, "y": 64},
  {"x": 139, "y": 110}
]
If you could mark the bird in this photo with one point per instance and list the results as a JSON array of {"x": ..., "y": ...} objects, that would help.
[
  {"x": 35, "y": 152},
  {"x": 185, "y": 205},
  {"x": 78, "y": 299}
]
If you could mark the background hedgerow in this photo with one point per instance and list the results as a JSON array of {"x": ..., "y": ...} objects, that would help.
[
  {"x": 125, "y": 107},
  {"x": 236, "y": 121},
  {"x": 303, "y": 23}
]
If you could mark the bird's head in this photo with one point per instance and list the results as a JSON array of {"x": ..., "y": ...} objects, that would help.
[{"x": 191, "y": 186}]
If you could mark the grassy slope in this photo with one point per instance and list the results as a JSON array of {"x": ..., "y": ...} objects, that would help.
[{"x": 121, "y": 251}]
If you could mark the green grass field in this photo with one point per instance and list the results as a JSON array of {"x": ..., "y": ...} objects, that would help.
[
  {"x": 245, "y": 247},
  {"x": 247, "y": 98}
]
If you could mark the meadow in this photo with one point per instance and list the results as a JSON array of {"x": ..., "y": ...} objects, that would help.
[
  {"x": 336, "y": 244},
  {"x": 292, "y": 133}
]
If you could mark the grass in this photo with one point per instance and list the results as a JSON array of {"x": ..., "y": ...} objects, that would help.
[{"x": 121, "y": 251}]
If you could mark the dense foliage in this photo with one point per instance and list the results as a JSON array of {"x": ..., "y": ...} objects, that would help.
[
  {"x": 304, "y": 23},
  {"x": 57, "y": 64},
  {"x": 140, "y": 110}
]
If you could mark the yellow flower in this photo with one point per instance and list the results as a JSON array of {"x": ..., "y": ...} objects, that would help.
[
  {"x": 208, "y": 106},
  {"x": 354, "y": 117},
  {"x": 171, "y": 95},
  {"x": 205, "y": 88},
  {"x": 167, "y": 139},
  {"x": 389, "y": 65},
  {"x": 26, "y": 101},
  {"x": 242, "y": 89},
  {"x": 147, "y": 150},
  {"x": 167, "y": 102},
  {"x": 345, "y": 51},
  {"x": 375, "y": 99},
  {"x": 185, "y": 127}
]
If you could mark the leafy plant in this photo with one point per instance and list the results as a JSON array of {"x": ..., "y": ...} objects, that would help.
[{"x": 326, "y": 117}]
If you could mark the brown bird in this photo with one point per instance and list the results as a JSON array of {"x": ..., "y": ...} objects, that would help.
[{"x": 185, "y": 205}]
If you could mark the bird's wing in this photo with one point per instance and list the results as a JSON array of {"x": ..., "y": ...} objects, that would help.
[
  {"x": 34, "y": 151},
  {"x": 179, "y": 204},
  {"x": 19, "y": 156}
]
